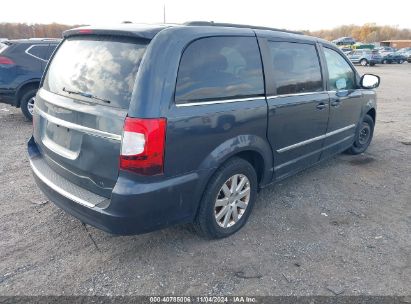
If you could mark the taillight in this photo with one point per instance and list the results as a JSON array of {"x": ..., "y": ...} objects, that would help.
[
  {"x": 6, "y": 60},
  {"x": 142, "y": 146}
]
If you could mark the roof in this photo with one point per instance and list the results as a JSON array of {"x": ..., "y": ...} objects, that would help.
[{"x": 148, "y": 31}]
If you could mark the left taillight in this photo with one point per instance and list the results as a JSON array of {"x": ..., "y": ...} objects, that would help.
[
  {"x": 142, "y": 146},
  {"x": 6, "y": 61}
]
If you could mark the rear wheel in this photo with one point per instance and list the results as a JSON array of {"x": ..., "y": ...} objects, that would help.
[
  {"x": 27, "y": 103},
  {"x": 228, "y": 199},
  {"x": 384, "y": 61},
  {"x": 363, "y": 136},
  {"x": 400, "y": 61},
  {"x": 364, "y": 62}
]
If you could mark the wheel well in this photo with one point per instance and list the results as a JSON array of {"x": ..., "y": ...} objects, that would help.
[
  {"x": 372, "y": 114},
  {"x": 25, "y": 88},
  {"x": 255, "y": 159}
]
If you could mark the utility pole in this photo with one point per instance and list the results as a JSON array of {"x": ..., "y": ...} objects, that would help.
[{"x": 164, "y": 13}]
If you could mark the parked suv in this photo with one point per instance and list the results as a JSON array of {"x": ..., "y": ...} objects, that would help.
[
  {"x": 22, "y": 63},
  {"x": 139, "y": 128},
  {"x": 365, "y": 57}
]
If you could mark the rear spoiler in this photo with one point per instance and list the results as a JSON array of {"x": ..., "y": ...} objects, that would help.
[{"x": 133, "y": 32}]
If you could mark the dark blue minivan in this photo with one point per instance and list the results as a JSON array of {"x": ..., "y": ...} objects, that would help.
[{"x": 137, "y": 128}]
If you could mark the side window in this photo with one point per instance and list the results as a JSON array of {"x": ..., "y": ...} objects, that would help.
[
  {"x": 340, "y": 74},
  {"x": 38, "y": 51},
  {"x": 218, "y": 68},
  {"x": 296, "y": 68}
]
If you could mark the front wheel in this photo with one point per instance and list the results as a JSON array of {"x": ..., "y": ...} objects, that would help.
[
  {"x": 363, "y": 62},
  {"x": 384, "y": 61},
  {"x": 27, "y": 104},
  {"x": 228, "y": 199},
  {"x": 363, "y": 136},
  {"x": 400, "y": 61}
]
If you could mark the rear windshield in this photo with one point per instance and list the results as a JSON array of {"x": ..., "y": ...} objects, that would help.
[{"x": 96, "y": 69}]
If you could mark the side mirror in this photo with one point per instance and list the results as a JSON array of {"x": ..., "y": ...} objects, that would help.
[{"x": 369, "y": 81}]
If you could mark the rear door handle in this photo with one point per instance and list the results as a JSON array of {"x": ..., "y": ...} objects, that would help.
[{"x": 321, "y": 106}]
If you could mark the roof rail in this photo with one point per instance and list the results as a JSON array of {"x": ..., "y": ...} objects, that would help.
[
  {"x": 212, "y": 23},
  {"x": 45, "y": 39}
]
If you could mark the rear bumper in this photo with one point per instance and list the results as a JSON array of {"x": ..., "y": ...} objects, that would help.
[{"x": 132, "y": 209}]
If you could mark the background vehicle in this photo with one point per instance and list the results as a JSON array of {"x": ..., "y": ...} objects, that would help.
[
  {"x": 409, "y": 59},
  {"x": 394, "y": 58},
  {"x": 131, "y": 138},
  {"x": 22, "y": 63},
  {"x": 344, "y": 41},
  {"x": 385, "y": 50},
  {"x": 365, "y": 57}
]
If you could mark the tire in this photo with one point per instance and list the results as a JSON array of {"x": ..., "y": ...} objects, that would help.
[
  {"x": 361, "y": 143},
  {"x": 384, "y": 61},
  {"x": 27, "y": 103},
  {"x": 364, "y": 62},
  {"x": 400, "y": 61},
  {"x": 213, "y": 221}
]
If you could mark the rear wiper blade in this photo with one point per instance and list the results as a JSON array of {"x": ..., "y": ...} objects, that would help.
[{"x": 88, "y": 95}]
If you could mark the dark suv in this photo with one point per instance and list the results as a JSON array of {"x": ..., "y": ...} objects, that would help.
[
  {"x": 139, "y": 128},
  {"x": 22, "y": 63}
]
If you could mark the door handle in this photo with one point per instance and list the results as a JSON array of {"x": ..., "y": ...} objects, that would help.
[{"x": 321, "y": 106}]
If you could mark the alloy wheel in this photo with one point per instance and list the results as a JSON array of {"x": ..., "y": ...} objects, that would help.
[
  {"x": 30, "y": 105},
  {"x": 232, "y": 200}
]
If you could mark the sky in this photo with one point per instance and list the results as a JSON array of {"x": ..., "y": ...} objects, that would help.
[{"x": 288, "y": 14}]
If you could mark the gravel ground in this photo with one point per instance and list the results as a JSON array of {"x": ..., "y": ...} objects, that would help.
[{"x": 342, "y": 227}]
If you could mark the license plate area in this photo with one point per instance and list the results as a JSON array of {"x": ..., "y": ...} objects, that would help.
[{"x": 62, "y": 140}]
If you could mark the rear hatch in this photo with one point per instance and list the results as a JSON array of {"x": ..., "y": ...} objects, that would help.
[{"x": 81, "y": 107}]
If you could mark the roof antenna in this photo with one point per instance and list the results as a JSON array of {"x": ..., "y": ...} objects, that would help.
[{"x": 164, "y": 13}]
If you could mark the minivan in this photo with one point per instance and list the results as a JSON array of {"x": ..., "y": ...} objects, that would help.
[{"x": 137, "y": 128}]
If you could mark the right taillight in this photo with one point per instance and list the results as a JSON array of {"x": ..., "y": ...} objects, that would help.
[
  {"x": 6, "y": 61},
  {"x": 142, "y": 146}
]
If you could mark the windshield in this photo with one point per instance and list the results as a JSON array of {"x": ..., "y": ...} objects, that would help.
[{"x": 104, "y": 68}]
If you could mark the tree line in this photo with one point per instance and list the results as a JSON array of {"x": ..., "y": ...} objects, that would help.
[
  {"x": 24, "y": 30},
  {"x": 369, "y": 32}
]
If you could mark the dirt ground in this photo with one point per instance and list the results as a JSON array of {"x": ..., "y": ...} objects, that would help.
[{"x": 342, "y": 227}]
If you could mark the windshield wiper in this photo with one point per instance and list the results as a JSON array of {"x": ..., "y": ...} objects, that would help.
[{"x": 88, "y": 95}]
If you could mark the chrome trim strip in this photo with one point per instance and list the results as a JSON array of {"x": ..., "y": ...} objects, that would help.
[
  {"x": 228, "y": 100},
  {"x": 295, "y": 94},
  {"x": 308, "y": 141},
  {"x": 60, "y": 190},
  {"x": 312, "y": 153},
  {"x": 77, "y": 127}
]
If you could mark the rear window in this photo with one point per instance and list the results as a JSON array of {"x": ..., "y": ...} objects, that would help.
[
  {"x": 102, "y": 67},
  {"x": 218, "y": 68}
]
